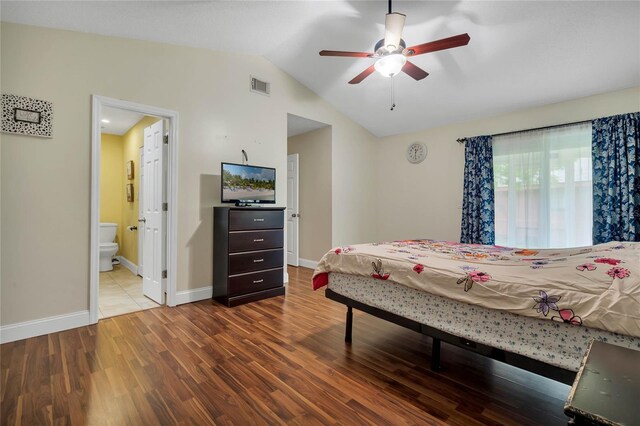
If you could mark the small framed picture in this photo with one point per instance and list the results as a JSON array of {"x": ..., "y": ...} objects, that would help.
[
  {"x": 130, "y": 170},
  {"x": 130, "y": 192},
  {"x": 26, "y": 116}
]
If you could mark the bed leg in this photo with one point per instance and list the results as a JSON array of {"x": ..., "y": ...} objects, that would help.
[
  {"x": 349, "y": 326},
  {"x": 435, "y": 355}
]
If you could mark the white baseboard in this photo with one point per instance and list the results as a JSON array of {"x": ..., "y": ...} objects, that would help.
[
  {"x": 194, "y": 295},
  {"x": 308, "y": 263},
  {"x": 24, "y": 330},
  {"x": 128, "y": 264}
]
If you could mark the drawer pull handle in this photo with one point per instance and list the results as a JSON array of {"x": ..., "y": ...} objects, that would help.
[
  {"x": 258, "y": 220},
  {"x": 258, "y": 281},
  {"x": 258, "y": 240},
  {"x": 258, "y": 260}
]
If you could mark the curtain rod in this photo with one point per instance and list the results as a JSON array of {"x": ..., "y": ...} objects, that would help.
[{"x": 462, "y": 140}]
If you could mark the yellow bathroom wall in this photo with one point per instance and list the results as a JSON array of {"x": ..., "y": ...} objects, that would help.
[
  {"x": 111, "y": 181},
  {"x": 132, "y": 141}
]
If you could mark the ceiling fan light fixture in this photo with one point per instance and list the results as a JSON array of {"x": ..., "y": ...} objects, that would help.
[{"x": 390, "y": 65}]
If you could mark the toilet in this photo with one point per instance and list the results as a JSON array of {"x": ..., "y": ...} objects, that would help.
[{"x": 108, "y": 248}]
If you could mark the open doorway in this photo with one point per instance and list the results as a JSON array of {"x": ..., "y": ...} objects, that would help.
[
  {"x": 121, "y": 288},
  {"x": 308, "y": 190},
  {"x": 133, "y": 229}
]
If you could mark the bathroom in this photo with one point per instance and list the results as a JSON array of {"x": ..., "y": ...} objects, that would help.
[{"x": 120, "y": 282}]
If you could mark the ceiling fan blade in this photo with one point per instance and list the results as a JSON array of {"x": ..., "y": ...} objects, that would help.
[
  {"x": 364, "y": 74},
  {"x": 393, "y": 26},
  {"x": 414, "y": 71},
  {"x": 347, "y": 54},
  {"x": 434, "y": 46}
]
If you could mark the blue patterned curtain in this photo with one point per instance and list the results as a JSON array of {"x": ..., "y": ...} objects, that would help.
[
  {"x": 477, "y": 202},
  {"x": 616, "y": 178}
]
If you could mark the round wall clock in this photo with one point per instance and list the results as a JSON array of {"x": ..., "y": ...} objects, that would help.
[{"x": 417, "y": 152}]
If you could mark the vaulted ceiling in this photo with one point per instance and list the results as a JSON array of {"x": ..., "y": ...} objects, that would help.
[{"x": 521, "y": 54}]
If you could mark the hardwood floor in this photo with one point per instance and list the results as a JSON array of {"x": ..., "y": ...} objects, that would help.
[{"x": 276, "y": 361}]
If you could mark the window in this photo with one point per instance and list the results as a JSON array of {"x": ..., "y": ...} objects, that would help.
[{"x": 542, "y": 183}]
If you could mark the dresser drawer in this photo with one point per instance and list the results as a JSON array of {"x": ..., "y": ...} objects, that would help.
[
  {"x": 241, "y": 220},
  {"x": 255, "y": 281},
  {"x": 255, "y": 240},
  {"x": 255, "y": 261}
]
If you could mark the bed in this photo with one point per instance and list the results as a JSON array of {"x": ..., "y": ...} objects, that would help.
[{"x": 535, "y": 309}]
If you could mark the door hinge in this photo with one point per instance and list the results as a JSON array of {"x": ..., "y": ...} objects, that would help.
[
  {"x": 165, "y": 139},
  {"x": 164, "y": 274},
  {"x": 165, "y": 207}
]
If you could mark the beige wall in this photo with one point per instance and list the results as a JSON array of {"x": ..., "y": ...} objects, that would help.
[
  {"x": 132, "y": 140},
  {"x": 112, "y": 182},
  {"x": 314, "y": 165},
  {"x": 425, "y": 200},
  {"x": 46, "y": 182}
]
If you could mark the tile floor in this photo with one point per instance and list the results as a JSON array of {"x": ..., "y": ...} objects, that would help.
[{"x": 121, "y": 293}]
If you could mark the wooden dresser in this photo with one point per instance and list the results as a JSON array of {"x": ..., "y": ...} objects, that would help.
[{"x": 248, "y": 254}]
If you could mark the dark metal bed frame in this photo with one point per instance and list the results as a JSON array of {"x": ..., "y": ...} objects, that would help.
[{"x": 438, "y": 336}]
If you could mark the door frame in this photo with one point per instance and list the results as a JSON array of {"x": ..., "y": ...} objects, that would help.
[
  {"x": 296, "y": 220},
  {"x": 98, "y": 102}
]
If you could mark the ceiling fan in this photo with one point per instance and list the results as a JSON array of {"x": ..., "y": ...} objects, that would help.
[{"x": 391, "y": 52}]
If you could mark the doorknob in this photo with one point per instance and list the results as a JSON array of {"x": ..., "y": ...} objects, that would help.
[
  {"x": 295, "y": 215},
  {"x": 142, "y": 219}
]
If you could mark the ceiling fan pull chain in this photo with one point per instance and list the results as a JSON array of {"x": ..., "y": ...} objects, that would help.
[{"x": 393, "y": 102}]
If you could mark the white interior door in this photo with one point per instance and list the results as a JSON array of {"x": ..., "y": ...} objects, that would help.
[
  {"x": 141, "y": 214},
  {"x": 292, "y": 210},
  {"x": 153, "y": 221}
]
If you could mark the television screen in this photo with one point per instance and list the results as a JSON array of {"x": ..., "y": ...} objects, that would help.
[{"x": 244, "y": 184}]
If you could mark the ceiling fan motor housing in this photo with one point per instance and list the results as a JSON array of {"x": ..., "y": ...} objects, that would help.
[{"x": 381, "y": 50}]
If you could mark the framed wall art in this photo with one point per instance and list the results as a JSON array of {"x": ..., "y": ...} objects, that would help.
[
  {"x": 130, "y": 170},
  {"x": 26, "y": 116},
  {"x": 130, "y": 192}
]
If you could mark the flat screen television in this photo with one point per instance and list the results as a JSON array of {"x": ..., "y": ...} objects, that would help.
[{"x": 243, "y": 184}]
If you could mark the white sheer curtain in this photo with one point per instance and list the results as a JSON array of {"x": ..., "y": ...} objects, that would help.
[{"x": 542, "y": 183}]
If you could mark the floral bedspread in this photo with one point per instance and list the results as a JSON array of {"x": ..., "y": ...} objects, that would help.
[{"x": 597, "y": 286}]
